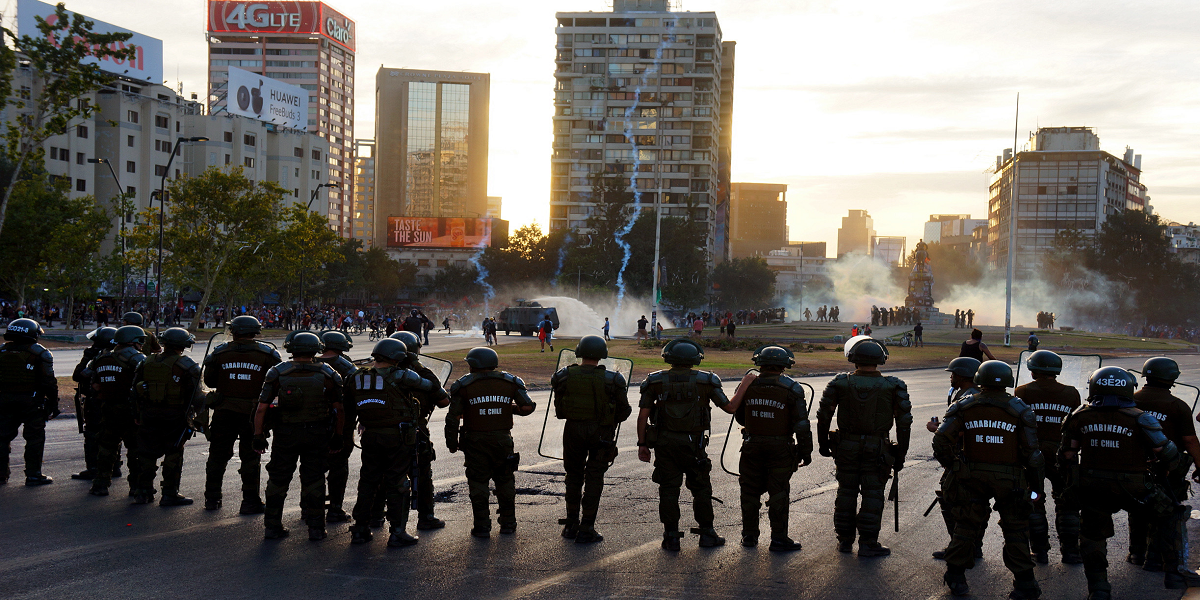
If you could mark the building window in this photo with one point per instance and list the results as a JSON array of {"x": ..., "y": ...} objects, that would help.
[
  {"x": 229, "y": 137},
  {"x": 131, "y": 116},
  {"x": 79, "y": 158},
  {"x": 162, "y": 121},
  {"x": 248, "y": 139},
  {"x": 249, "y": 162},
  {"x": 227, "y": 159},
  {"x": 130, "y": 191},
  {"x": 316, "y": 154},
  {"x": 160, "y": 170},
  {"x": 129, "y": 141},
  {"x": 80, "y": 185},
  {"x": 298, "y": 153},
  {"x": 81, "y": 131},
  {"x": 130, "y": 166}
]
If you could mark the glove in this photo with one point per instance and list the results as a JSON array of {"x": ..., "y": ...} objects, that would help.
[
  {"x": 1196, "y": 475},
  {"x": 825, "y": 451},
  {"x": 452, "y": 443},
  {"x": 51, "y": 410},
  {"x": 259, "y": 443}
]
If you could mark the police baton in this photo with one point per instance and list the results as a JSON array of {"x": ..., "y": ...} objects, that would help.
[
  {"x": 936, "y": 500},
  {"x": 895, "y": 498}
]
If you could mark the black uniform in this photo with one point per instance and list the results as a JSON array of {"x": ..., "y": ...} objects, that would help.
[
  {"x": 592, "y": 400},
  {"x": 339, "y": 462},
  {"x": 1175, "y": 417},
  {"x": 775, "y": 439},
  {"x": 1113, "y": 443},
  {"x": 28, "y": 396},
  {"x": 235, "y": 371},
  {"x": 422, "y": 473},
  {"x": 1051, "y": 402},
  {"x": 165, "y": 388},
  {"x": 112, "y": 376},
  {"x": 91, "y": 410},
  {"x": 952, "y": 396},
  {"x": 302, "y": 399}
]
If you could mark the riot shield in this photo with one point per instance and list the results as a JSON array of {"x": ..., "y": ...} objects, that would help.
[
  {"x": 550, "y": 444},
  {"x": 1191, "y": 396},
  {"x": 217, "y": 339},
  {"x": 1076, "y": 370},
  {"x": 200, "y": 420},
  {"x": 440, "y": 367},
  {"x": 731, "y": 450}
]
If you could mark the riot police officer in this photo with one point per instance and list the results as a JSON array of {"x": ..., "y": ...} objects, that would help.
[
  {"x": 112, "y": 378},
  {"x": 485, "y": 401},
  {"x": 674, "y": 419},
  {"x": 304, "y": 397},
  {"x": 1051, "y": 402},
  {"x": 989, "y": 442},
  {"x": 1175, "y": 417},
  {"x": 1107, "y": 442},
  {"x": 235, "y": 371},
  {"x": 772, "y": 411},
  {"x": 135, "y": 318},
  {"x": 336, "y": 346},
  {"x": 28, "y": 396},
  {"x": 389, "y": 413},
  {"x": 422, "y": 471},
  {"x": 592, "y": 400},
  {"x": 166, "y": 396},
  {"x": 962, "y": 384},
  {"x": 867, "y": 405},
  {"x": 102, "y": 341}
]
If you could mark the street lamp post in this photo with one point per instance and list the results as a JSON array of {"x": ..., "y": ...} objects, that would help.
[
  {"x": 121, "y": 199},
  {"x": 162, "y": 209},
  {"x": 310, "y": 203}
]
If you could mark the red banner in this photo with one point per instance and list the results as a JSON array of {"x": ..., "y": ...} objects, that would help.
[
  {"x": 226, "y": 16},
  {"x": 337, "y": 28},
  {"x": 438, "y": 232}
]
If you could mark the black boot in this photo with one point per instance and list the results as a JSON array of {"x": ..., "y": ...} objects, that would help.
[
  {"x": 784, "y": 544},
  {"x": 37, "y": 479},
  {"x": 671, "y": 540},
  {"x": 251, "y": 506},
  {"x": 587, "y": 533},
  {"x": 275, "y": 532},
  {"x": 708, "y": 537},
  {"x": 336, "y": 515},
  {"x": 845, "y": 546},
  {"x": 173, "y": 498},
  {"x": 570, "y": 527},
  {"x": 1041, "y": 558},
  {"x": 871, "y": 549},
  {"x": 428, "y": 522},
  {"x": 1180, "y": 579},
  {"x": 316, "y": 533},
  {"x": 98, "y": 490},
  {"x": 360, "y": 534},
  {"x": 86, "y": 475},
  {"x": 212, "y": 503},
  {"x": 957, "y": 582}
]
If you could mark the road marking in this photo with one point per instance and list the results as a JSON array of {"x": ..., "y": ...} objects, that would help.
[{"x": 542, "y": 584}]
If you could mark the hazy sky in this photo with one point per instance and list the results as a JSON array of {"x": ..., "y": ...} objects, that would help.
[{"x": 898, "y": 108}]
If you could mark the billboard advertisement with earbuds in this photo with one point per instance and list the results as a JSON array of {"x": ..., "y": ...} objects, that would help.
[{"x": 258, "y": 97}]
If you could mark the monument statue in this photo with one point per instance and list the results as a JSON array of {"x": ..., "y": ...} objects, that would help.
[{"x": 920, "y": 284}]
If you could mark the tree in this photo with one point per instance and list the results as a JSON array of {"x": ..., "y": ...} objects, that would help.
[
  {"x": 526, "y": 259},
  {"x": 71, "y": 255},
  {"x": 346, "y": 272},
  {"x": 300, "y": 250},
  {"x": 214, "y": 218},
  {"x": 385, "y": 276},
  {"x": 456, "y": 283},
  {"x": 1132, "y": 250},
  {"x": 599, "y": 253},
  {"x": 683, "y": 260},
  {"x": 744, "y": 283},
  {"x": 60, "y": 79}
]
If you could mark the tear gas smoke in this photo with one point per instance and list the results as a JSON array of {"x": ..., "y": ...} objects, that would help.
[{"x": 577, "y": 319}]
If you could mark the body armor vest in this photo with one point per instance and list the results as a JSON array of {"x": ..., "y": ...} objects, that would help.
[
  {"x": 681, "y": 408},
  {"x": 243, "y": 367},
  {"x": 1165, "y": 407},
  {"x": 1110, "y": 439},
  {"x": 865, "y": 407},
  {"x": 1051, "y": 402},
  {"x": 160, "y": 381},
  {"x": 379, "y": 401},
  {"x": 584, "y": 396},
  {"x": 114, "y": 372},
  {"x": 767, "y": 410},
  {"x": 339, "y": 363},
  {"x": 990, "y": 434},
  {"x": 488, "y": 403},
  {"x": 302, "y": 394},
  {"x": 18, "y": 369}
]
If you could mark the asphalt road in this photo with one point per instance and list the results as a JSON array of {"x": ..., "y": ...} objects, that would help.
[{"x": 61, "y": 542}]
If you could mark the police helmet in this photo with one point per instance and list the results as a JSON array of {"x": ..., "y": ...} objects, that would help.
[
  {"x": 177, "y": 337},
  {"x": 865, "y": 350},
  {"x": 336, "y": 340},
  {"x": 410, "y": 339},
  {"x": 302, "y": 343},
  {"x": 592, "y": 346},
  {"x": 682, "y": 352},
  {"x": 414, "y": 312},
  {"x": 1044, "y": 361},
  {"x": 245, "y": 325},
  {"x": 964, "y": 366},
  {"x": 103, "y": 337},
  {"x": 774, "y": 356},
  {"x": 130, "y": 334},
  {"x": 390, "y": 349},
  {"x": 133, "y": 318},
  {"x": 483, "y": 358},
  {"x": 1161, "y": 368},
  {"x": 23, "y": 330},
  {"x": 994, "y": 374},
  {"x": 1111, "y": 381}
]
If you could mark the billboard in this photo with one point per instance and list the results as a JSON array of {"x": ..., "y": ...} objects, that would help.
[
  {"x": 258, "y": 97},
  {"x": 146, "y": 65},
  {"x": 287, "y": 16},
  {"x": 438, "y": 232}
]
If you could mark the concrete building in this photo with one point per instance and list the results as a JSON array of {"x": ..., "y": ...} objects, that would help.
[
  {"x": 364, "y": 192},
  {"x": 1064, "y": 181},
  {"x": 795, "y": 268},
  {"x": 1185, "y": 241},
  {"x": 809, "y": 249},
  {"x": 855, "y": 234},
  {"x": 757, "y": 219},
  {"x": 494, "y": 204},
  {"x": 889, "y": 249},
  {"x": 312, "y": 48},
  {"x": 431, "y": 155},
  {"x": 643, "y": 95},
  {"x": 953, "y": 231}
]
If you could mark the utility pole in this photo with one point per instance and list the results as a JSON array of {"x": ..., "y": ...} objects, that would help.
[{"x": 1012, "y": 230}]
